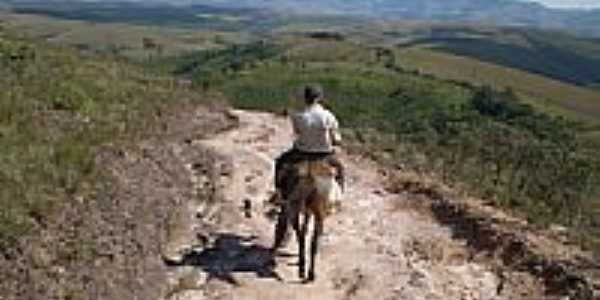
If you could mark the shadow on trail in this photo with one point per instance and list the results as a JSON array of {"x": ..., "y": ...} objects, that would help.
[{"x": 231, "y": 254}]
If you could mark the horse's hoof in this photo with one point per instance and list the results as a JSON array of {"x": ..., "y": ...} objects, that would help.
[{"x": 311, "y": 277}]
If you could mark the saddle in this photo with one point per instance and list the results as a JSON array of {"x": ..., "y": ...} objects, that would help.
[{"x": 312, "y": 176}]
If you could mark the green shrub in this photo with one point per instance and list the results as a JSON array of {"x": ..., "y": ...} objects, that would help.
[
  {"x": 487, "y": 140},
  {"x": 56, "y": 109}
]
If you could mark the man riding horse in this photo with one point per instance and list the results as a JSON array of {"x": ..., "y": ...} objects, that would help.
[{"x": 316, "y": 132}]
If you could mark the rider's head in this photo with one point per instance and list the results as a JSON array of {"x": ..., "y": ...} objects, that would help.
[{"x": 313, "y": 94}]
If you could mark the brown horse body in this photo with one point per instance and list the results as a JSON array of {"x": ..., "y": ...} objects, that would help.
[{"x": 312, "y": 196}]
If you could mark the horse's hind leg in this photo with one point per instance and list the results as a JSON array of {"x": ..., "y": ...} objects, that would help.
[
  {"x": 314, "y": 246},
  {"x": 281, "y": 228},
  {"x": 300, "y": 236}
]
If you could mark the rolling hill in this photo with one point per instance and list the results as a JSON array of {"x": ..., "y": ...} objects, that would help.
[
  {"x": 499, "y": 12},
  {"x": 105, "y": 160},
  {"x": 556, "y": 70}
]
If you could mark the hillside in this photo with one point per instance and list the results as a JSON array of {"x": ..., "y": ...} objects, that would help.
[
  {"x": 511, "y": 13},
  {"x": 546, "y": 94},
  {"x": 554, "y": 71},
  {"x": 401, "y": 112},
  {"x": 198, "y": 17},
  {"x": 499, "y": 12},
  {"x": 554, "y": 55},
  {"x": 403, "y": 62},
  {"x": 387, "y": 240},
  {"x": 67, "y": 231},
  {"x": 116, "y": 39},
  {"x": 136, "y": 174}
]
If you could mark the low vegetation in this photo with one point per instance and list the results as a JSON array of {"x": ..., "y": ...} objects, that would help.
[
  {"x": 116, "y": 39},
  {"x": 484, "y": 139},
  {"x": 520, "y": 141},
  {"x": 513, "y": 137},
  {"x": 553, "y": 96},
  {"x": 56, "y": 109},
  {"x": 195, "y": 16},
  {"x": 532, "y": 51}
]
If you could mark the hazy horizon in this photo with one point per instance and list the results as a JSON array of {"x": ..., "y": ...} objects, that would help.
[
  {"x": 573, "y": 4},
  {"x": 569, "y": 3}
]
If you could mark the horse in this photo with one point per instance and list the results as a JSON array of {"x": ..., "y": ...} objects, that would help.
[{"x": 314, "y": 194}]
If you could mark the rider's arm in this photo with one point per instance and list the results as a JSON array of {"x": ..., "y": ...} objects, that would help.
[
  {"x": 295, "y": 125},
  {"x": 336, "y": 137}
]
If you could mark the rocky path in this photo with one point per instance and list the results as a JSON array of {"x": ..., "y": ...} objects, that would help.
[{"x": 374, "y": 248}]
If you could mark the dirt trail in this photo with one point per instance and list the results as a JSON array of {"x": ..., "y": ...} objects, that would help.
[{"x": 372, "y": 249}]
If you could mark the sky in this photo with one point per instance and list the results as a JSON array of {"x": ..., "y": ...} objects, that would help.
[{"x": 571, "y": 3}]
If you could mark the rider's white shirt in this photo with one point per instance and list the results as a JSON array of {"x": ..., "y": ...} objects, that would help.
[{"x": 316, "y": 129}]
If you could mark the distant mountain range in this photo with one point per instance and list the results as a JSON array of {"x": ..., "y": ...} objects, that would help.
[{"x": 499, "y": 12}]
